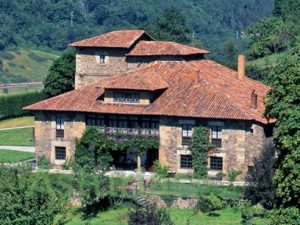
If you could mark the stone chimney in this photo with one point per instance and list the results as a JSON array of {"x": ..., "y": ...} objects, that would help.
[
  {"x": 253, "y": 103},
  {"x": 241, "y": 66}
]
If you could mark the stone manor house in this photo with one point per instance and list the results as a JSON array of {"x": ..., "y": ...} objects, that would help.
[{"x": 127, "y": 82}]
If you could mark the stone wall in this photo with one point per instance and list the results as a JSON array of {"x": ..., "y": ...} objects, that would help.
[
  {"x": 89, "y": 69},
  {"x": 45, "y": 134}
]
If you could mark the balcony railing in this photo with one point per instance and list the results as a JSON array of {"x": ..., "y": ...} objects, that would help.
[
  {"x": 186, "y": 141},
  {"x": 129, "y": 132}
]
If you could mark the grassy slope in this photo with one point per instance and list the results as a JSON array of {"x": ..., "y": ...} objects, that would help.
[
  {"x": 20, "y": 90},
  {"x": 267, "y": 61},
  {"x": 7, "y": 156},
  {"x": 28, "y": 63},
  {"x": 17, "y": 122},
  {"x": 17, "y": 137},
  {"x": 229, "y": 216}
]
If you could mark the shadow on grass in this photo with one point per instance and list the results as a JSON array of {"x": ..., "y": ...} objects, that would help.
[{"x": 213, "y": 214}]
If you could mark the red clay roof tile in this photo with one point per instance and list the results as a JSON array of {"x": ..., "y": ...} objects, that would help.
[
  {"x": 156, "y": 48},
  {"x": 114, "y": 39},
  {"x": 218, "y": 94}
]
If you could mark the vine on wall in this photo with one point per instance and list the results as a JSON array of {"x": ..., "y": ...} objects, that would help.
[{"x": 199, "y": 149}]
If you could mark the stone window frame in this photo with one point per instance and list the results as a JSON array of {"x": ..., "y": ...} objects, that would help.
[
  {"x": 61, "y": 155},
  {"x": 186, "y": 137},
  {"x": 218, "y": 166},
  {"x": 102, "y": 60},
  {"x": 186, "y": 163},
  {"x": 217, "y": 141},
  {"x": 60, "y": 126}
]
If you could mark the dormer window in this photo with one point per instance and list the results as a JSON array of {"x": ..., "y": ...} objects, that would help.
[
  {"x": 102, "y": 59},
  {"x": 126, "y": 97}
]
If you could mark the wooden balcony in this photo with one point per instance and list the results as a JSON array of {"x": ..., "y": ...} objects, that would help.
[{"x": 128, "y": 133}]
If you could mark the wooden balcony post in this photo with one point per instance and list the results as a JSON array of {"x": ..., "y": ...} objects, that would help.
[{"x": 139, "y": 163}]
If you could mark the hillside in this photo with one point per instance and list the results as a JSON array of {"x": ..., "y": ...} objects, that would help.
[
  {"x": 25, "y": 65},
  {"x": 55, "y": 23}
]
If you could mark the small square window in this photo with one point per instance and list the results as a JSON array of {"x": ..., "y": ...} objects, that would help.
[
  {"x": 216, "y": 163},
  {"x": 102, "y": 59},
  {"x": 60, "y": 153},
  {"x": 186, "y": 161}
]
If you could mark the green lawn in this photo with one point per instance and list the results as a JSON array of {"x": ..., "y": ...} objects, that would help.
[
  {"x": 17, "y": 122},
  {"x": 17, "y": 137},
  {"x": 7, "y": 156},
  {"x": 229, "y": 216}
]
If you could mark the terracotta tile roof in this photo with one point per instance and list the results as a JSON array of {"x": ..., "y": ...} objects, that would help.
[
  {"x": 156, "y": 48},
  {"x": 136, "y": 80},
  {"x": 114, "y": 39},
  {"x": 199, "y": 89}
]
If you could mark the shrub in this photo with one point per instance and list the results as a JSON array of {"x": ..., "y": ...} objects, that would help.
[
  {"x": 146, "y": 213},
  {"x": 94, "y": 193},
  {"x": 232, "y": 175},
  {"x": 26, "y": 198},
  {"x": 247, "y": 212},
  {"x": 220, "y": 175},
  {"x": 285, "y": 216},
  {"x": 209, "y": 203},
  {"x": 160, "y": 169},
  {"x": 44, "y": 163}
]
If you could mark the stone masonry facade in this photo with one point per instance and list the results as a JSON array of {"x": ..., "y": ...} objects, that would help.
[{"x": 241, "y": 141}]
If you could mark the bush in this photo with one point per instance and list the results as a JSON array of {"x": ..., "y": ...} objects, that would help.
[
  {"x": 285, "y": 216},
  {"x": 26, "y": 198},
  {"x": 94, "y": 193},
  {"x": 209, "y": 203},
  {"x": 146, "y": 213},
  {"x": 12, "y": 106},
  {"x": 160, "y": 170},
  {"x": 232, "y": 175},
  {"x": 44, "y": 163},
  {"x": 247, "y": 213}
]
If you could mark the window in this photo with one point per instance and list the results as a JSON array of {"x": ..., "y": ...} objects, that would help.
[
  {"x": 216, "y": 163},
  {"x": 187, "y": 132},
  {"x": 60, "y": 127},
  {"x": 60, "y": 153},
  {"x": 186, "y": 161},
  {"x": 126, "y": 97},
  {"x": 217, "y": 136},
  {"x": 102, "y": 59},
  {"x": 95, "y": 120}
]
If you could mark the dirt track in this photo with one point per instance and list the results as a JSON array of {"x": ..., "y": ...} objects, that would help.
[{"x": 17, "y": 85}]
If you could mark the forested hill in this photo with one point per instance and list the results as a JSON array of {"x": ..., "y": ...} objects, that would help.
[{"x": 55, "y": 23}]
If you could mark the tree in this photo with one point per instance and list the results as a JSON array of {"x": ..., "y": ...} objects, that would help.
[
  {"x": 171, "y": 26},
  {"x": 199, "y": 148},
  {"x": 26, "y": 198},
  {"x": 270, "y": 35},
  {"x": 260, "y": 188},
  {"x": 61, "y": 77},
  {"x": 284, "y": 104}
]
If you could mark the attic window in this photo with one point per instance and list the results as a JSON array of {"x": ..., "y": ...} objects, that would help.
[
  {"x": 253, "y": 104},
  {"x": 125, "y": 97}
]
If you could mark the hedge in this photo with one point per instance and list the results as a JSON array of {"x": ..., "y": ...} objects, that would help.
[{"x": 12, "y": 106}]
